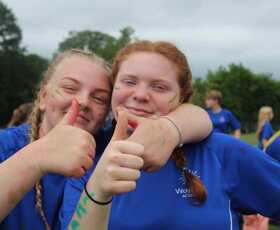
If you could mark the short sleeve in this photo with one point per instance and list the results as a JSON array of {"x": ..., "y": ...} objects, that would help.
[
  {"x": 251, "y": 179},
  {"x": 267, "y": 131},
  {"x": 2, "y": 146},
  {"x": 234, "y": 123},
  {"x": 72, "y": 193},
  {"x": 273, "y": 148}
]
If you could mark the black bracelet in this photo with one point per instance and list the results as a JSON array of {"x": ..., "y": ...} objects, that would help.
[{"x": 93, "y": 200}]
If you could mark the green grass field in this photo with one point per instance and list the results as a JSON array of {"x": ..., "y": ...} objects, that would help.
[
  {"x": 271, "y": 227},
  {"x": 251, "y": 139}
]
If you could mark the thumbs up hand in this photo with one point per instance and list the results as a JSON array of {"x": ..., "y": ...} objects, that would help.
[
  {"x": 120, "y": 164},
  {"x": 66, "y": 149},
  {"x": 71, "y": 116}
]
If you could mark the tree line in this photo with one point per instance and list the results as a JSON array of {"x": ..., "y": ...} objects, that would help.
[
  {"x": 20, "y": 71},
  {"x": 244, "y": 92}
]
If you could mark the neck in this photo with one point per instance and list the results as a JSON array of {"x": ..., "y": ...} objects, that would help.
[
  {"x": 216, "y": 108},
  {"x": 43, "y": 129}
]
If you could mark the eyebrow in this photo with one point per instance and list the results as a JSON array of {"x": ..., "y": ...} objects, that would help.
[
  {"x": 151, "y": 80},
  {"x": 128, "y": 75},
  {"x": 71, "y": 79},
  {"x": 102, "y": 91},
  {"x": 97, "y": 89}
]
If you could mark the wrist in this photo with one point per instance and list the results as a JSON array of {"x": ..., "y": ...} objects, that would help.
[
  {"x": 33, "y": 158},
  {"x": 171, "y": 129},
  {"x": 93, "y": 197},
  {"x": 40, "y": 155},
  {"x": 94, "y": 189}
]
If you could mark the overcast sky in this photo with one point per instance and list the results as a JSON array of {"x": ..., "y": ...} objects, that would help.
[{"x": 211, "y": 33}]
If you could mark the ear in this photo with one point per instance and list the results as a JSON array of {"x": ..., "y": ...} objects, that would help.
[{"x": 42, "y": 98}]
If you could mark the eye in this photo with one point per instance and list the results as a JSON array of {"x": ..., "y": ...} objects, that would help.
[
  {"x": 129, "y": 82},
  {"x": 100, "y": 100},
  {"x": 159, "y": 87},
  {"x": 69, "y": 89}
]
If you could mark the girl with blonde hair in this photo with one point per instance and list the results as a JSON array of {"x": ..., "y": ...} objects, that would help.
[{"x": 264, "y": 129}]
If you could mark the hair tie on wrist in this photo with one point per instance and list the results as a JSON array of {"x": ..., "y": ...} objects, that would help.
[
  {"x": 180, "y": 144},
  {"x": 96, "y": 201}
]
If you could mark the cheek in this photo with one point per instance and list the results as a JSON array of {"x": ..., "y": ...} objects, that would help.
[
  {"x": 167, "y": 103},
  {"x": 119, "y": 97},
  {"x": 101, "y": 114},
  {"x": 57, "y": 103},
  {"x": 174, "y": 100}
]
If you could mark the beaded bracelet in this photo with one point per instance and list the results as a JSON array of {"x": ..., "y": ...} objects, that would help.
[{"x": 95, "y": 201}]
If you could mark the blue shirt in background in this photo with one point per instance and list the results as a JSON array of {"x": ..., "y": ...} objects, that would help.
[
  {"x": 273, "y": 149},
  {"x": 265, "y": 134},
  {"x": 238, "y": 178},
  {"x": 223, "y": 121}
]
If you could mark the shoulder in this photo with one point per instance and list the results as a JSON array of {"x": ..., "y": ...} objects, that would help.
[
  {"x": 12, "y": 139},
  {"x": 217, "y": 139},
  {"x": 208, "y": 110},
  {"x": 215, "y": 143},
  {"x": 224, "y": 147},
  {"x": 267, "y": 124},
  {"x": 226, "y": 112},
  {"x": 273, "y": 148}
]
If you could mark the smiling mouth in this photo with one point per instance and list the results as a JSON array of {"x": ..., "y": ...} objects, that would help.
[
  {"x": 82, "y": 117},
  {"x": 139, "y": 112}
]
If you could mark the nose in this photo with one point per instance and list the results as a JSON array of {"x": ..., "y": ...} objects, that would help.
[
  {"x": 83, "y": 100},
  {"x": 141, "y": 94}
]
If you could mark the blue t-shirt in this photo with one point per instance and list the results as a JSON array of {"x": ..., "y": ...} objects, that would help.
[
  {"x": 223, "y": 121},
  {"x": 25, "y": 215},
  {"x": 265, "y": 134},
  {"x": 273, "y": 149},
  {"x": 238, "y": 178}
]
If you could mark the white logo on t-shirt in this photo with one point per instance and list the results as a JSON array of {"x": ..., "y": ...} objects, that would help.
[
  {"x": 183, "y": 190},
  {"x": 222, "y": 120}
]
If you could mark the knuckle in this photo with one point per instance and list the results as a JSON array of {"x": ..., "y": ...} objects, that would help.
[
  {"x": 115, "y": 158},
  {"x": 140, "y": 162},
  {"x": 111, "y": 171},
  {"x": 110, "y": 187}
]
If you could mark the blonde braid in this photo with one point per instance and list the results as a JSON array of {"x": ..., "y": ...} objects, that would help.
[
  {"x": 39, "y": 204},
  {"x": 35, "y": 121},
  {"x": 36, "y": 115}
]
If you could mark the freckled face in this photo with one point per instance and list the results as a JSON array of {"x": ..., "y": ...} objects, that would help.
[
  {"x": 146, "y": 85},
  {"x": 81, "y": 78}
]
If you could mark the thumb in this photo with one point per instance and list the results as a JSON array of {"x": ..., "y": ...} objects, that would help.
[
  {"x": 71, "y": 116},
  {"x": 120, "y": 132},
  {"x": 133, "y": 120}
]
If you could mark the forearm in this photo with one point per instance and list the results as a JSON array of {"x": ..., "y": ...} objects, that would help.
[
  {"x": 265, "y": 142},
  {"x": 18, "y": 175},
  {"x": 89, "y": 215},
  {"x": 237, "y": 133},
  {"x": 193, "y": 122}
]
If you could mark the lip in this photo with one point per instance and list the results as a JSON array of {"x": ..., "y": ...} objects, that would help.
[
  {"x": 139, "y": 112},
  {"x": 83, "y": 117}
]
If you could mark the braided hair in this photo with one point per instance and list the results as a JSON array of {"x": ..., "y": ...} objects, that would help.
[
  {"x": 173, "y": 54},
  {"x": 36, "y": 116}
]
